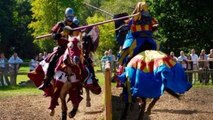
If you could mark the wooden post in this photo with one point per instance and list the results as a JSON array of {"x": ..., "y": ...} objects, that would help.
[{"x": 108, "y": 94}]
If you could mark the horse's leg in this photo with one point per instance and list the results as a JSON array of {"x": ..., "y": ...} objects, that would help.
[
  {"x": 64, "y": 115},
  {"x": 63, "y": 93},
  {"x": 75, "y": 96},
  {"x": 125, "y": 111},
  {"x": 142, "y": 108},
  {"x": 173, "y": 93},
  {"x": 73, "y": 111},
  {"x": 88, "y": 99},
  {"x": 54, "y": 98},
  {"x": 151, "y": 105}
]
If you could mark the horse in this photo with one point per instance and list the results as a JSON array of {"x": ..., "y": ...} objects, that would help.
[
  {"x": 68, "y": 78},
  {"x": 148, "y": 75},
  {"x": 90, "y": 38}
]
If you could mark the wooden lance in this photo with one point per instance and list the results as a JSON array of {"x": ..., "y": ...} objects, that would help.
[{"x": 91, "y": 25}]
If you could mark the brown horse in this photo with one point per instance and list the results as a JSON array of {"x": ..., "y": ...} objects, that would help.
[
  {"x": 71, "y": 65},
  {"x": 69, "y": 79},
  {"x": 90, "y": 40},
  {"x": 142, "y": 103}
]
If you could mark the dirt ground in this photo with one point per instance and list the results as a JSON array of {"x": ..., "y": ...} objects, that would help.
[{"x": 197, "y": 104}]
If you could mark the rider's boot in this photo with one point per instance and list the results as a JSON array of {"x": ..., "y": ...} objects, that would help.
[{"x": 46, "y": 83}]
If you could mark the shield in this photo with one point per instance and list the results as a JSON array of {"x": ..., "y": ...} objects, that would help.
[{"x": 94, "y": 34}]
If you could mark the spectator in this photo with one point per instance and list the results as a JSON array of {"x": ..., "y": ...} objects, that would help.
[
  {"x": 189, "y": 67},
  {"x": 33, "y": 63},
  {"x": 203, "y": 53},
  {"x": 194, "y": 59},
  {"x": 113, "y": 60},
  {"x": 4, "y": 70},
  {"x": 14, "y": 65},
  {"x": 182, "y": 59},
  {"x": 40, "y": 57},
  {"x": 172, "y": 55},
  {"x": 203, "y": 66},
  {"x": 104, "y": 59},
  {"x": 44, "y": 55},
  {"x": 210, "y": 59}
]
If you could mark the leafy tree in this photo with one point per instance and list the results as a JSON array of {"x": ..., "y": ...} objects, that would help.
[
  {"x": 6, "y": 13},
  {"x": 46, "y": 13},
  {"x": 87, "y": 11},
  {"x": 184, "y": 24},
  {"x": 106, "y": 34},
  {"x": 21, "y": 35},
  {"x": 15, "y": 17}
]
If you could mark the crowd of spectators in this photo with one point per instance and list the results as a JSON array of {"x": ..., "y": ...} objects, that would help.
[
  {"x": 108, "y": 56},
  {"x": 199, "y": 67},
  {"x": 9, "y": 67}
]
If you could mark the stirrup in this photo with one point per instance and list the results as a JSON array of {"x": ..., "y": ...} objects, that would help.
[
  {"x": 52, "y": 112},
  {"x": 43, "y": 86}
]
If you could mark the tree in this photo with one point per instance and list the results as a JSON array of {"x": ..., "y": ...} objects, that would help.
[
  {"x": 6, "y": 13},
  {"x": 107, "y": 38},
  {"x": 14, "y": 34},
  {"x": 184, "y": 24},
  {"x": 21, "y": 35},
  {"x": 46, "y": 13}
]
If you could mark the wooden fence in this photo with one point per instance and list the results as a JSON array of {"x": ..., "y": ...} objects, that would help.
[
  {"x": 113, "y": 66},
  {"x": 11, "y": 70}
]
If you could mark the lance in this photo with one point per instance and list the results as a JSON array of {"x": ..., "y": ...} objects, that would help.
[
  {"x": 44, "y": 36},
  {"x": 91, "y": 25},
  {"x": 110, "y": 14}
]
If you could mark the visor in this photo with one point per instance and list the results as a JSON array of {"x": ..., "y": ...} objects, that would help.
[{"x": 70, "y": 18}]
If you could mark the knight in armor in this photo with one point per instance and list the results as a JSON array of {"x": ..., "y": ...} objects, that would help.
[
  {"x": 60, "y": 34},
  {"x": 139, "y": 36}
]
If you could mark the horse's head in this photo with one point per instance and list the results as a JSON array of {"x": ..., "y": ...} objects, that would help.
[{"x": 73, "y": 52}]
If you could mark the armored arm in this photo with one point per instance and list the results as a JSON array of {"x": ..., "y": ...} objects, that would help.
[{"x": 56, "y": 30}]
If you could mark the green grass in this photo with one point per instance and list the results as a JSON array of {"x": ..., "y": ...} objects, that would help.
[
  {"x": 23, "y": 71},
  {"x": 18, "y": 91},
  {"x": 202, "y": 86},
  {"x": 8, "y": 91}
]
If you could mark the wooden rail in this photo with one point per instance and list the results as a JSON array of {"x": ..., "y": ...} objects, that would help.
[{"x": 12, "y": 70}]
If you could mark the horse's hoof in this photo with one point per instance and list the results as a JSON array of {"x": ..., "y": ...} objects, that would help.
[
  {"x": 180, "y": 97},
  {"x": 88, "y": 104},
  {"x": 52, "y": 112},
  {"x": 148, "y": 112},
  {"x": 73, "y": 113},
  {"x": 64, "y": 115}
]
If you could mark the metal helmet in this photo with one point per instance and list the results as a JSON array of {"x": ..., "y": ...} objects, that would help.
[
  {"x": 76, "y": 21},
  {"x": 69, "y": 12}
]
